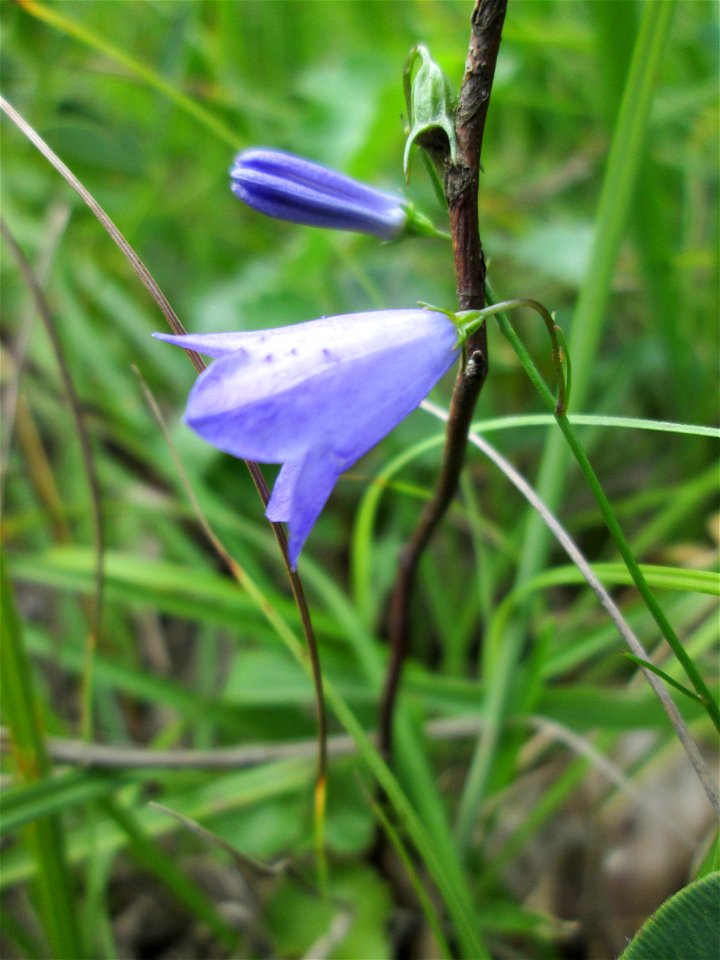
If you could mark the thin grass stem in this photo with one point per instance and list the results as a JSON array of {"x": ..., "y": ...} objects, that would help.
[
  {"x": 480, "y": 768},
  {"x": 614, "y": 206},
  {"x": 256, "y": 474},
  {"x": 88, "y": 460}
]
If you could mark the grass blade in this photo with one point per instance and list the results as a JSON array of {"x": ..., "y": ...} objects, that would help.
[
  {"x": 44, "y": 836},
  {"x": 614, "y": 206}
]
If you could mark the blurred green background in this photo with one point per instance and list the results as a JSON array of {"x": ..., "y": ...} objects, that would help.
[{"x": 147, "y": 102}]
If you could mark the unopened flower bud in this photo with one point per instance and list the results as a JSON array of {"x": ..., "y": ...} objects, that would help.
[
  {"x": 287, "y": 187},
  {"x": 431, "y": 107}
]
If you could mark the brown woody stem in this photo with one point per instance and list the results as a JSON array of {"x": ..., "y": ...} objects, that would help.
[{"x": 461, "y": 192}]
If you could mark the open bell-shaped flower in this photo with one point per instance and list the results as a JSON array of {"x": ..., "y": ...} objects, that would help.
[{"x": 315, "y": 397}]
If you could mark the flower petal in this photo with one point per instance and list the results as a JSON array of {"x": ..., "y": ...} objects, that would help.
[
  {"x": 315, "y": 397},
  {"x": 286, "y": 393},
  {"x": 300, "y": 345},
  {"x": 300, "y": 492},
  {"x": 211, "y": 344}
]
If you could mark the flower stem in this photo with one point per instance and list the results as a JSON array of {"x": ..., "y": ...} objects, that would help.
[
  {"x": 473, "y": 319},
  {"x": 611, "y": 521}
]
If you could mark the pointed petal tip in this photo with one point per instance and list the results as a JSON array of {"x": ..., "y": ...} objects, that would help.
[
  {"x": 295, "y": 545},
  {"x": 177, "y": 340},
  {"x": 301, "y": 490}
]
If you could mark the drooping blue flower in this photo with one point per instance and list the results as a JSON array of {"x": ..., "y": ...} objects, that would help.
[
  {"x": 315, "y": 397},
  {"x": 287, "y": 187}
]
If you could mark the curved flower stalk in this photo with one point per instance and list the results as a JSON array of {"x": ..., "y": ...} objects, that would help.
[
  {"x": 315, "y": 397},
  {"x": 288, "y": 187}
]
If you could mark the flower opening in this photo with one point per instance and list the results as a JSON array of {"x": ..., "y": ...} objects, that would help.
[{"x": 314, "y": 397}]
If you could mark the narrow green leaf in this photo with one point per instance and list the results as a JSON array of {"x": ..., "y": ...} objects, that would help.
[
  {"x": 663, "y": 676},
  {"x": 44, "y": 836},
  {"x": 616, "y": 199},
  {"x": 50, "y": 797}
]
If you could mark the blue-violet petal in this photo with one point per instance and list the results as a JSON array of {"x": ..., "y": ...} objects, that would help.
[{"x": 315, "y": 396}]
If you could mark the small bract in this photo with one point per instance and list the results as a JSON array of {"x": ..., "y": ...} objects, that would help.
[
  {"x": 315, "y": 397},
  {"x": 287, "y": 187}
]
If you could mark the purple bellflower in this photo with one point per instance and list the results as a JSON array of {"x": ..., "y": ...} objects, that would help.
[
  {"x": 287, "y": 187},
  {"x": 315, "y": 397}
]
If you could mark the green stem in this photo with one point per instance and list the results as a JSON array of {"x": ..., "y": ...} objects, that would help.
[
  {"x": 614, "y": 206},
  {"x": 471, "y": 320},
  {"x": 611, "y": 521}
]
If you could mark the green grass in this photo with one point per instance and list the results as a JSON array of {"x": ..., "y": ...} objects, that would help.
[{"x": 599, "y": 199}]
